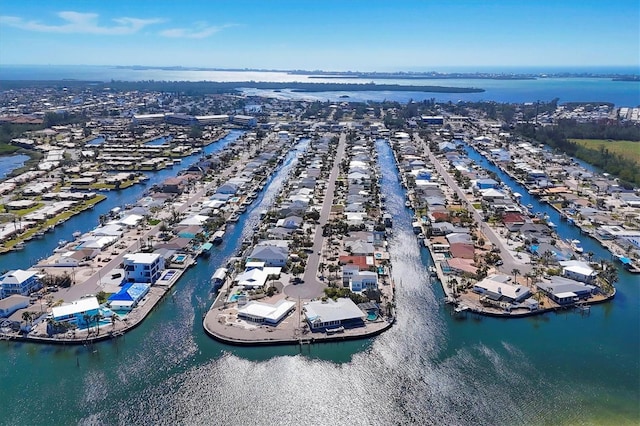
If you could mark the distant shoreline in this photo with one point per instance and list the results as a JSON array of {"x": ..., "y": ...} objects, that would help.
[{"x": 233, "y": 86}]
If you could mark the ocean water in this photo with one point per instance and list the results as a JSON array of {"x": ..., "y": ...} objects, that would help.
[
  {"x": 622, "y": 93},
  {"x": 430, "y": 368}
]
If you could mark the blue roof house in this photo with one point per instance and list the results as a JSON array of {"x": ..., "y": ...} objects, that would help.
[{"x": 128, "y": 296}]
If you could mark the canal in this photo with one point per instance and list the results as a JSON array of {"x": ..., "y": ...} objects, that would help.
[
  {"x": 89, "y": 219},
  {"x": 430, "y": 368},
  {"x": 565, "y": 230}
]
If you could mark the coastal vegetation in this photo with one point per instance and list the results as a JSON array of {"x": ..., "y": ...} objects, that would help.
[
  {"x": 196, "y": 88},
  {"x": 627, "y": 149},
  {"x": 623, "y": 166}
]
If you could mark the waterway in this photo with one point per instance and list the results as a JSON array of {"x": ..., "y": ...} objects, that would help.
[
  {"x": 574, "y": 89},
  {"x": 430, "y": 368},
  {"x": 11, "y": 162}
]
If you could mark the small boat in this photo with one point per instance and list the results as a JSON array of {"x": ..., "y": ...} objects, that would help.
[
  {"x": 217, "y": 237},
  {"x": 576, "y": 245},
  {"x": 529, "y": 206},
  {"x": 76, "y": 234},
  {"x": 433, "y": 271},
  {"x": 19, "y": 246},
  {"x": 218, "y": 278},
  {"x": 62, "y": 243},
  {"x": 407, "y": 203},
  {"x": 39, "y": 235},
  {"x": 551, "y": 225}
]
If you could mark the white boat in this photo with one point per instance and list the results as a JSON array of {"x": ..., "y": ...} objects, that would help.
[
  {"x": 218, "y": 278},
  {"x": 76, "y": 234},
  {"x": 19, "y": 246},
  {"x": 576, "y": 245},
  {"x": 217, "y": 237}
]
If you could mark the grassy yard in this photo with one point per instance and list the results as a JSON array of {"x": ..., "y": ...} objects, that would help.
[{"x": 628, "y": 149}]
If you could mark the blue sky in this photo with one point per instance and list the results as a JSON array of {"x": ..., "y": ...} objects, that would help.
[{"x": 331, "y": 35}]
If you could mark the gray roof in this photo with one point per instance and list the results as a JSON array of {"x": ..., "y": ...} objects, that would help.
[
  {"x": 564, "y": 285},
  {"x": 340, "y": 310}
]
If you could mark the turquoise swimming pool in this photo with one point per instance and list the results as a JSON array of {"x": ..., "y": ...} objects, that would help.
[
  {"x": 179, "y": 258},
  {"x": 372, "y": 316}
]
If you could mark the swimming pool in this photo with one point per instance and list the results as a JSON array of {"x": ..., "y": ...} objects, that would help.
[
  {"x": 179, "y": 258},
  {"x": 235, "y": 296},
  {"x": 372, "y": 316}
]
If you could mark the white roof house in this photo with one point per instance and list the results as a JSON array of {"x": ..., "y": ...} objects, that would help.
[
  {"x": 255, "y": 278},
  {"x": 74, "y": 308},
  {"x": 494, "y": 287},
  {"x": 268, "y": 313},
  {"x": 131, "y": 220},
  {"x": 578, "y": 270}
]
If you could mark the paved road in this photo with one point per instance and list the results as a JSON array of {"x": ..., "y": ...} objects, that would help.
[
  {"x": 312, "y": 287},
  {"x": 510, "y": 262}
]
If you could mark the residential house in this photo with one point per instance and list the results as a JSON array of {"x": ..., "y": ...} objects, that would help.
[
  {"x": 143, "y": 267},
  {"x": 330, "y": 315},
  {"x": 18, "y": 282},
  {"x": 81, "y": 312},
  {"x": 10, "y": 304},
  {"x": 270, "y": 255}
]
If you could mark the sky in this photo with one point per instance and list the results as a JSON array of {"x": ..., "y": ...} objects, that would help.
[{"x": 329, "y": 35}]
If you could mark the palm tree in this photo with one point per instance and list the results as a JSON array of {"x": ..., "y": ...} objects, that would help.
[
  {"x": 87, "y": 318},
  {"x": 26, "y": 317},
  {"x": 97, "y": 317},
  {"x": 515, "y": 273}
]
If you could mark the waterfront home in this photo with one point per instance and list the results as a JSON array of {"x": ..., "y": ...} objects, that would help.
[
  {"x": 18, "y": 282},
  {"x": 143, "y": 267},
  {"x": 326, "y": 315},
  {"x": 129, "y": 296},
  {"x": 578, "y": 270},
  {"x": 270, "y": 255},
  {"x": 498, "y": 288},
  {"x": 10, "y": 304},
  {"x": 485, "y": 183},
  {"x": 80, "y": 312},
  {"x": 255, "y": 277},
  {"x": 266, "y": 313},
  {"x": 363, "y": 280},
  {"x": 459, "y": 266},
  {"x": 565, "y": 291}
]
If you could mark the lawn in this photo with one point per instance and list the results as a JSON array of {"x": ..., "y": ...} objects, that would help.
[{"x": 628, "y": 149}]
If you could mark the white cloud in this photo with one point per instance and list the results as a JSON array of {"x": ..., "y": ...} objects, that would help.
[
  {"x": 80, "y": 23},
  {"x": 200, "y": 30}
]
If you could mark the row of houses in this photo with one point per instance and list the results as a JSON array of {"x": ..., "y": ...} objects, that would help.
[{"x": 191, "y": 120}]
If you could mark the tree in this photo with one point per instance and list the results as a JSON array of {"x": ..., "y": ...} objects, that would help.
[
  {"x": 27, "y": 317},
  {"x": 515, "y": 273}
]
